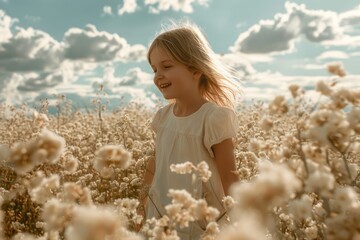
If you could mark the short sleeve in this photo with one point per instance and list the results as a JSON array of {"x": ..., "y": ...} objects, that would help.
[{"x": 221, "y": 124}]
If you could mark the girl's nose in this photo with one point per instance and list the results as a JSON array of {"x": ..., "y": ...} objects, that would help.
[{"x": 158, "y": 75}]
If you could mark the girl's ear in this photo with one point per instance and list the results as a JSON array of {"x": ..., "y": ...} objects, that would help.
[{"x": 197, "y": 75}]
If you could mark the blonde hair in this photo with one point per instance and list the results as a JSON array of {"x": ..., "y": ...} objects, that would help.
[{"x": 187, "y": 45}]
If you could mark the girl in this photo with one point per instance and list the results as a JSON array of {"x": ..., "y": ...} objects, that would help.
[{"x": 198, "y": 125}]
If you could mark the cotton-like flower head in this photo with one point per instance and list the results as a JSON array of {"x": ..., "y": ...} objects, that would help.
[
  {"x": 315, "y": 153},
  {"x": 247, "y": 227},
  {"x": 181, "y": 196},
  {"x": 347, "y": 198},
  {"x": 211, "y": 232},
  {"x": 203, "y": 170},
  {"x": 56, "y": 214},
  {"x": 70, "y": 163},
  {"x": 323, "y": 88},
  {"x": 330, "y": 128},
  {"x": 51, "y": 143},
  {"x": 128, "y": 207},
  {"x": 321, "y": 181},
  {"x": 266, "y": 123},
  {"x": 182, "y": 168},
  {"x": 229, "y": 202},
  {"x": 295, "y": 90},
  {"x": 40, "y": 119},
  {"x": 45, "y": 189},
  {"x": 203, "y": 211},
  {"x": 74, "y": 193},
  {"x": 274, "y": 185},
  {"x": 336, "y": 69},
  {"x": 90, "y": 223},
  {"x": 109, "y": 157},
  {"x": 278, "y": 105},
  {"x": 301, "y": 208},
  {"x": 46, "y": 148}
]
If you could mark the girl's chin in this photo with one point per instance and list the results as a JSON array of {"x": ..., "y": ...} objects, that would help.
[{"x": 167, "y": 97}]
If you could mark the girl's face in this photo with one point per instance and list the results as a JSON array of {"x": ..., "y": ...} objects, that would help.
[{"x": 173, "y": 79}]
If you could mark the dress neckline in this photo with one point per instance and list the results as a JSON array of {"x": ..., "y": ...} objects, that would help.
[{"x": 188, "y": 116}]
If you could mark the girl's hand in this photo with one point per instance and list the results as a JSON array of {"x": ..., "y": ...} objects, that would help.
[{"x": 140, "y": 211}]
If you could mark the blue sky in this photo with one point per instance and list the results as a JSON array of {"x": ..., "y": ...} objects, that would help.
[{"x": 50, "y": 47}]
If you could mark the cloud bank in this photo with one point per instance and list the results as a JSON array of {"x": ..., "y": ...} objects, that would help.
[{"x": 280, "y": 34}]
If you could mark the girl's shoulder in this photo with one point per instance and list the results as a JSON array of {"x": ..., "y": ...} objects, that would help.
[
  {"x": 220, "y": 115},
  {"x": 163, "y": 110},
  {"x": 215, "y": 110}
]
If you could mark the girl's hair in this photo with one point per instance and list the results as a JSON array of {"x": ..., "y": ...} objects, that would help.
[{"x": 187, "y": 45}]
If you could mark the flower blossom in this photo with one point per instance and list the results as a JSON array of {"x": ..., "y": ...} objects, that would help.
[
  {"x": 46, "y": 148},
  {"x": 323, "y": 88},
  {"x": 109, "y": 157},
  {"x": 44, "y": 189},
  {"x": 182, "y": 168},
  {"x": 278, "y": 105}
]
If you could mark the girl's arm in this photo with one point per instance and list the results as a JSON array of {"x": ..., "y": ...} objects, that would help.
[
  {"x": 225, "y": 162},
  {"x": 148, "y": 177}
]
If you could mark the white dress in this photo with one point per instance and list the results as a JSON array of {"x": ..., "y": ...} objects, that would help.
[{"x": 182, "y": 139}]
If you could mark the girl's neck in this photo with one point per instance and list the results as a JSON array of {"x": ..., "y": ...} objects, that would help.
[{"x": 186, "y": 108}]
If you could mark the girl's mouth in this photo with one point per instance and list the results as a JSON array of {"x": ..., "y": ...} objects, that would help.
[{"x": 165, "y": 85}]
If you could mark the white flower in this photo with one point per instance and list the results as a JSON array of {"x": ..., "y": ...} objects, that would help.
[
  {"x": 323, "y": 88},
  {"x": 56, "y": 214},
  {"x": 182, "y": 168},
  {"x": 274, "y": 185},
  {"x": 45, "y": 189},
  {"x": 46, "y": 148},
  {"x": 266, "y": 123},
  {"x": 90, "y": 223},
  {"x": 278, "y": 105},
  {"x": 109, "y": 157},
  {"x": 347, "y": 198},
  {"x": 301, "y": 209},
  {"x": 203, "y": 170},
  {"x": 229, "y": 202},
  {"x": 321, "y": 181}
]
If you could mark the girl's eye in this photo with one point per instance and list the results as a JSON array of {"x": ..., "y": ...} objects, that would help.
[{"x": 167, "y": 66}]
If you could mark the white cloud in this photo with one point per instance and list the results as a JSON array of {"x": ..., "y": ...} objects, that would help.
[
  {"x": 350, "y": 18},
  {"x": 89, "y": 44},
  {"x": 29, "y": 50},
  {"x": 279, "y": 35},
  {"x": 32, "y": 62},
  {"x": 355, "y": 54},
  {"x": 5, "y": 24},
  {"x": 310, "y": 66},
  {"x": 134, "y": 77},
  {"x": 176, "y": 5},
  {"x": 332, "y": 55},
  {"x": 239, "y": 63},
  {"x": 107, "y": 10},
  {"x": 346, "y": 40},
  {"x": 128, "y": 7}
]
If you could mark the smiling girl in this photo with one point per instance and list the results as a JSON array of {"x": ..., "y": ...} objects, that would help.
[{"x": 198, "y": 125}]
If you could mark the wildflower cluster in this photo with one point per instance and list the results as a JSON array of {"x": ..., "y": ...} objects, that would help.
[{"x": 79, "y": 175}]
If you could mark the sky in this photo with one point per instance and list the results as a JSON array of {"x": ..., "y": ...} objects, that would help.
[{"x": 50, "y": 48}]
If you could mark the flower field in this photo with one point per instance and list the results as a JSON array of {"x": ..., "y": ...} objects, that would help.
[{"x": 78, "y": 175}]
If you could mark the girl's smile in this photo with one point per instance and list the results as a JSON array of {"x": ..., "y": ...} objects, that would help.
[{"x": 172, "y": 78}]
